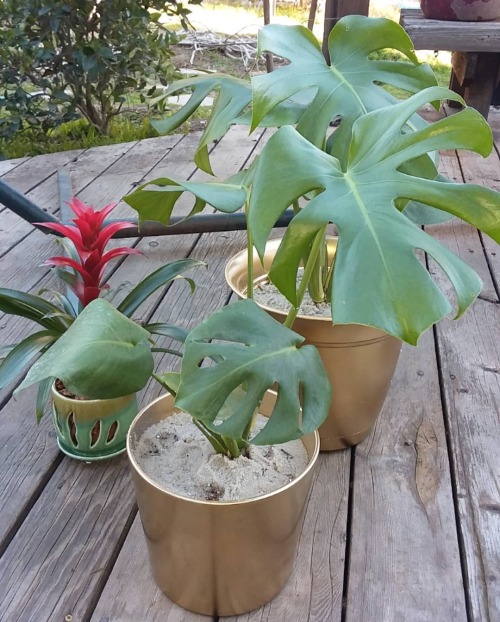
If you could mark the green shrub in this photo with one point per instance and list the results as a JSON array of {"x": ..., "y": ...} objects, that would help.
[{"x": 60, "y": 59}]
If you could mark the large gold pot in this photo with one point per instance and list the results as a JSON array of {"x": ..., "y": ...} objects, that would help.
[
  {"x": 360, "y": 360},
  {"x": 219, "y": 558}
]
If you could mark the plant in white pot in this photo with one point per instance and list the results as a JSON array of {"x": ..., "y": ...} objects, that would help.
[
  {"x": 224, "y": 541},
  {"x": 86, "y": 429},
  {"x": 374, "y": 178}
]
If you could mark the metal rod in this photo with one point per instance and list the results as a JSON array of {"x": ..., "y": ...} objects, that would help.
[
  {"x": 22, "y": 206},
  {"x": 201, "y": 223}
]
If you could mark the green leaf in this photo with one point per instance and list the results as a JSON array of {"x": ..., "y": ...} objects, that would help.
[
  {"x": 159, "y": 204},
  {"x": 154, "y": 281},
  {"x": 167, "y": 330},
  {"x": 345, "y": 89},
  {"x": 234, "y": 95},
  {"x": 102, "y": 355},
  {"x": 169, "y": 381},
  {"x": 260, "y": 353},
  {"x": 42, "y": 398},
  {"x": 377, "y": 243},
  {"x": 23, "y": 354},
  {"x": 14, "y": 302}
]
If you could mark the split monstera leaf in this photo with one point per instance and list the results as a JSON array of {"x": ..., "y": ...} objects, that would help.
[
  {"x": 374, "y": 177},
  {"x": 251, "y": 353},
  {"x": 377, "y": 280}
]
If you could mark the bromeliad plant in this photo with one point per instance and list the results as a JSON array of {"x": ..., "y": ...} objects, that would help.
[
  {"x": 374, "y": 177},
  {"x": 82, "y": 270}
]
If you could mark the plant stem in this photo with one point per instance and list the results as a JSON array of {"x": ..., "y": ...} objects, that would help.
[
  {"x": 308, "y": 269},
  {"x": 212, "y": 438},
  {"x": 249, "y": 258},
  {"x": 315, "y": 285},
  {"x": 329, "y": 279},
  {"x": 231, "y": 447}
]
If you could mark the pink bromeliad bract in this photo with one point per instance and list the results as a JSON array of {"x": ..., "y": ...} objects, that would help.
[{"x": 90, "y": 239}]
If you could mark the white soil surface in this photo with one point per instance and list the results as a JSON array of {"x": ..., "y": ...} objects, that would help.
[
  {"x": 266, "y": 294},
  {"x": 176, "y": 456}
]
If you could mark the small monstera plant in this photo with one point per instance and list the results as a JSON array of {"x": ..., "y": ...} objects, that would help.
[
  {"x": 251, "y": 353},
  {"x": 374, "y": 177}
]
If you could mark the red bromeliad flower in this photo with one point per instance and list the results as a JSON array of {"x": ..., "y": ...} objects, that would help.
[{"x": 90, "y": 239}]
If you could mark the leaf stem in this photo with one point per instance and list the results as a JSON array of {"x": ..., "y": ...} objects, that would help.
[
  {"x": 211, "y": 438},
  {"x": 249, "y": 258},
  {"x": 308, "y": 269}
]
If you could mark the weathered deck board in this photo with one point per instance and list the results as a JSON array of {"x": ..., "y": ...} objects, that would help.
[
  {"x": 469, "y": 352},
  {"x": 315, "y": 590},
  {"x": 144, "y": 601},
  {"x": 89, "y": 587},
  {"x": 69, "y": 534},
  {"x": 404, "y": 558},
  {"x": 471, "y": 384},
  {"x": 8, "y": 165}
]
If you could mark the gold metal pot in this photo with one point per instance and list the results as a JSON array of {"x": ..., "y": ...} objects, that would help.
[
  {"x": 219, "y": 558},
  {"x": 360, "y": 360}
]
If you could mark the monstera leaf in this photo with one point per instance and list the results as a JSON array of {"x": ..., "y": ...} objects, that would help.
[
  {"x": 103, "y": 354},
  {"x": 250, "y": 349},
  {"x": 345, "y": 89},
  {"x": 308, "y": 91},
  {"x": 233, "y": 96},
  {"x": 158, "y": 204},
  {"x": 378, "y": 280}
]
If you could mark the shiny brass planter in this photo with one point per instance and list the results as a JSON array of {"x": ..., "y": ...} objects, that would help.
[
  {"x": 219, "y": 558},
  {"x": 360, "y": 360},
  {"x": 92, "y": 430}
]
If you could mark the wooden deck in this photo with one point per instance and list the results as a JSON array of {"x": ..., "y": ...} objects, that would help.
[{"x": 405, "y": 527}]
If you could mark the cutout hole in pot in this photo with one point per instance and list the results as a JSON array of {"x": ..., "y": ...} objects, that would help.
[
  {"x": 95, "y": 433},
  {"x": 72, "y": 429},
  {"x": 112, "y": 431}
]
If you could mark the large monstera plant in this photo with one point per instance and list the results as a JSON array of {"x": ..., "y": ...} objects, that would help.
[{"x": 375, "y": 177}]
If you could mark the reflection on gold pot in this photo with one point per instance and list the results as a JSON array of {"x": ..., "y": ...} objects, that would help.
[
  {"x": 360, "y": 360},
  {"x": 219, "y": 558}
]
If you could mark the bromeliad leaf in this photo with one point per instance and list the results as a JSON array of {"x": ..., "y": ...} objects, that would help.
[
  {"x": 345, "y": 89},
  {"x": 14, "y": 302},
  {"x": 377, "y": 243},
  {"x": 23, "y": 353},
  {"x": 102, "y": 355},
  {"x": 254, "y": 350},
  {"x": 154, "y": 281}
]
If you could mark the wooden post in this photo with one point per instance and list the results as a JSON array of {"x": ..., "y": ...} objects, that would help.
[
  {"x": 269, "y": 11},
  {"x": 334, "y": 10}
]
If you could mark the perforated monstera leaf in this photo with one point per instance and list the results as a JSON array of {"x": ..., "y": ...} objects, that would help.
[
  {"x": 347, "y": 87},
  {"x": 156, "y": 199},
  {"x": 378, "y": 280},
  {"x": 252, "y": 350},
  {"x": 232, "y": 96}
]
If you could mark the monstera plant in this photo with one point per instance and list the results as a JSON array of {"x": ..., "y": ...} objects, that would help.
[{"x": 374, "y": 177}]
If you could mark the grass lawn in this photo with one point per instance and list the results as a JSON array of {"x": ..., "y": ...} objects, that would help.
[{"x": 133, "y": 123}]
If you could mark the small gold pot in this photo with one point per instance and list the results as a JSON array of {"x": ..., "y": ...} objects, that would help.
[
  {"x": 213, "y": 557},
  {"x": 360, "y": 360}
]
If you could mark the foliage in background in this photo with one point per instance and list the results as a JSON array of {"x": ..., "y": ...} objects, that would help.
[{"x": 60, "y": 60}]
